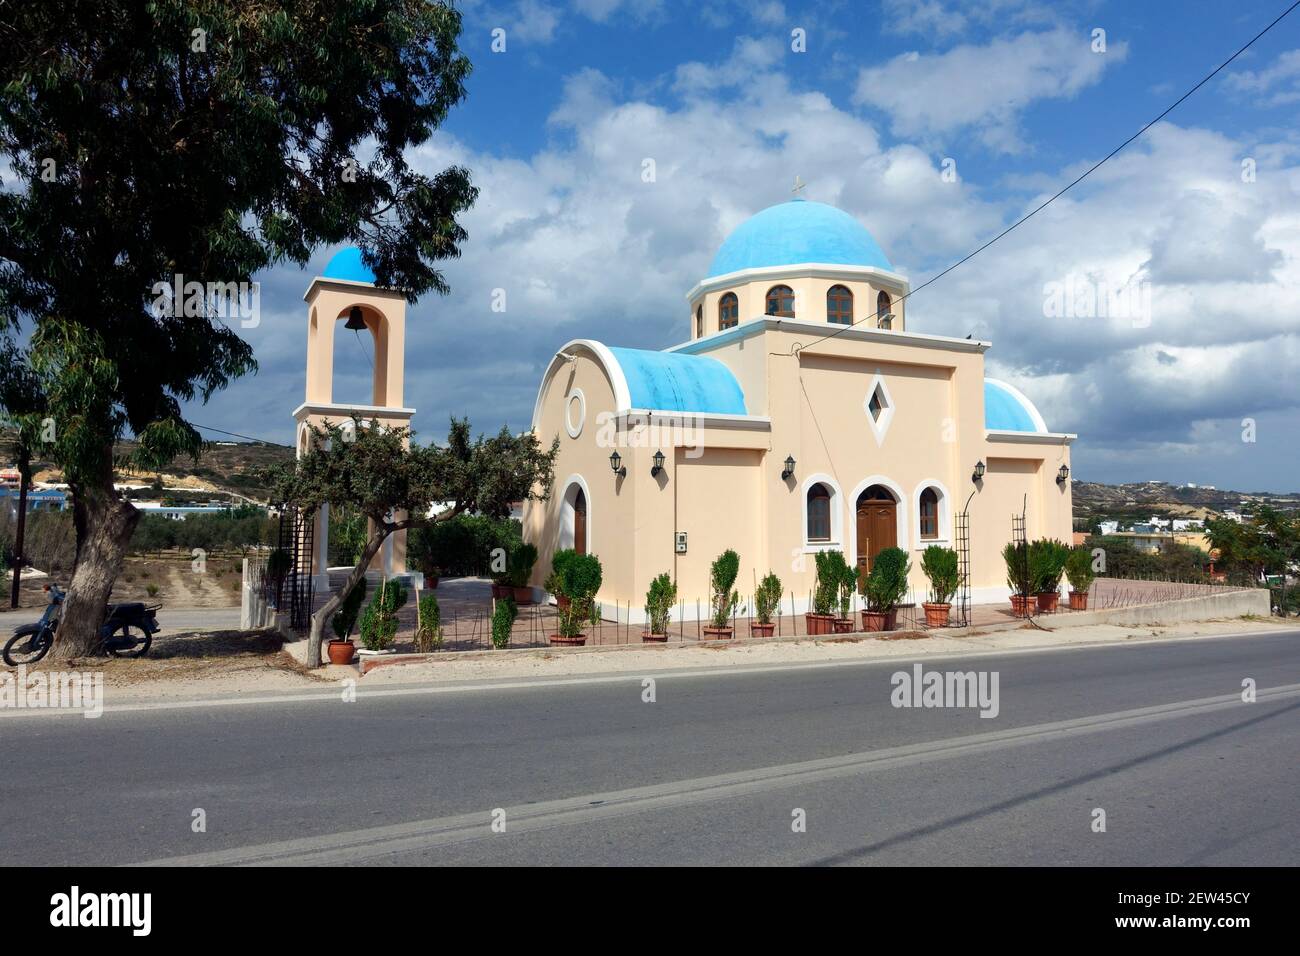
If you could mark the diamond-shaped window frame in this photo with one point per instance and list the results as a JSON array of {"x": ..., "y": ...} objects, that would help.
[{"x": 880, "y": 390}]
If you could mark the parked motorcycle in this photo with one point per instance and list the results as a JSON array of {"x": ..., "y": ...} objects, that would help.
[{"x": 127, "y": 631}]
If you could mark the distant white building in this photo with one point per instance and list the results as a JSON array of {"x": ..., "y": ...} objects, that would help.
[{"x": 1109, "y": 527}]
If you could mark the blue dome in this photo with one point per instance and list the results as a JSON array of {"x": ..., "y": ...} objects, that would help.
[
  {"x": 672, "y": 382},
  {"x": 347, "y": 265},
  {"x": 795, "y": 232},
  {"x": 1006, "y": 409}
]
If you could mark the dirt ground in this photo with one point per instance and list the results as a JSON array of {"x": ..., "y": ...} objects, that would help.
[{"x": 168, "y": 578}]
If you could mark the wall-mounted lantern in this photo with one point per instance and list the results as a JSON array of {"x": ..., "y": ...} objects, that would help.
[
  {"x": 658, "y": 464},
  {"x": 978, "y": 474},
  {"x": 1063, "y": 475},
  {"x": 789, "y": 467},
  {"x": 616, "y": 463}
]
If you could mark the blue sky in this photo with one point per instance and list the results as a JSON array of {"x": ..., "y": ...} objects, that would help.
[{"x": 556, "y": 129}]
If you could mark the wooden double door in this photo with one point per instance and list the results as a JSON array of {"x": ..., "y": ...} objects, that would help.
[{"x": 877, "y": 513}]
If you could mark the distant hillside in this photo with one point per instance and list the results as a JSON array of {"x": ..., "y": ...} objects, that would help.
[{"x": 1161, "y": 498}]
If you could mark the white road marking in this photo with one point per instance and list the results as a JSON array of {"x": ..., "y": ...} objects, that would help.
[{"x": 366, "y": 844}]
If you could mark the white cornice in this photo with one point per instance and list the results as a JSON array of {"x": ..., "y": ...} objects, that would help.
[
  {"x": 349, "y": 283},
  {"x": 751, "y": 327},
  {"x": 1031, "y": 438},
  {"x": 364, "y": 411},
  {"x": 802, "y": 270},
  {"x": 708, "y": 419}
]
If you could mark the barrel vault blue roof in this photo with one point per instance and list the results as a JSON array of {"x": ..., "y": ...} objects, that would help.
[
  {"x": 672, "y": 382},
  {"x": 796, "y": 232},
  {"x": 346, "y": 264},
  {"x": 1006, "y": 409}
]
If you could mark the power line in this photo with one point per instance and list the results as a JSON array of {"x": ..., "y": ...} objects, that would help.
[
  {"x": 260, "y": 441},
  {"x": 1091, "y": 169}
]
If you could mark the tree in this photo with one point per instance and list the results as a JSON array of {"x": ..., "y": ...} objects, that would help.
[
  {"x": 154, "y": 141},
  {"x": 376, "y": 471}
]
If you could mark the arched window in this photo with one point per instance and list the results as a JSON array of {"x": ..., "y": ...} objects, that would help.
[
  {"x": 580, "y": 522},
  {"x": 819, "y": 513},
  {"x": 928, "y": 512},
  {"x": 883, "y": 319},
  {"x": 839, "y": 305},
  {"x": 780, "y": 301},
  {"x": 699, "y": 321},
  {"x": 728, "y": 311}
]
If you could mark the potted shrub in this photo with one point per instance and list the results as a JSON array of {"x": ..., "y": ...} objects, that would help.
[
  {"x": 1047, "y": 559},
  {"x": 519, "y": 568},
  {"x": 942, "y": 571},
  {"x": 659, "y": 601},
  {"x": 1078, "y": 568},
  {"x": 503, "y": 619},
  {"x": 555, "y": 580},
  {"x": 848, "y": 579},
  {"x": 579, "y": 581},
  {"x": 886, "y": 585},
  {"x": 341, "y": 650},
  {"x": 825, "y": 594},
  {"x": 1019, "y": 578},
  {"x": 723, "y": 600},
  {"x": 766, "y": 600},
  {"x": 379, "y": 621},
  {"x": 428, "y": 625}
]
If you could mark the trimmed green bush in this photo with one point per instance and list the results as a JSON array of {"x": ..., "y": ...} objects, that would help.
[
  {"x": 580, "y": 580},
  {"x": 767, "y": 598},
  {"x": 379, "y": 621},
  {"x": 659, "y": 601},
  {"x": 1078, "y": 568},
  {"x": 722, "y": 578},
  {"x": 345, "y": 618},
  {"x": 830, "y": 573},
  {"x": 503, "y": 619},
  {"x": 1019, "y": 578},
  {"x": 887, "y": 581},
  {"x": 519, "y": 565},
  {"x": 941, "y": 568},
  {"x": 1047, "y": 558},
  {"x": 428, "y": 630}
]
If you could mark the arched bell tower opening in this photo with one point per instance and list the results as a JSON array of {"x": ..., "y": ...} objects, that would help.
[{"x": 342, "y": 300}]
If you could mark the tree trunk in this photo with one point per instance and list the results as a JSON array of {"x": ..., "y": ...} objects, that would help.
[
  {"x": 322, "y": 617},
  {"x": 104, "y": 525}
]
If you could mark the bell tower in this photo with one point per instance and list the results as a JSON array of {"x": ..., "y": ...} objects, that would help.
[{"x": 346, "y": 294}]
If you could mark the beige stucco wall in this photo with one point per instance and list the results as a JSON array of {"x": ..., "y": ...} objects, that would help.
[{"x": 810, "y": 297}]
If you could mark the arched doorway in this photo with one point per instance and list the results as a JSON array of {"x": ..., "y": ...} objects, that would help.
[
  {"x": 877, "y": 524},
  {"x": 580, "y": 522}
]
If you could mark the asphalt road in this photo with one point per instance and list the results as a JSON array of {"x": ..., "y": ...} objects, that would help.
[{"x": 715, "y": 771}]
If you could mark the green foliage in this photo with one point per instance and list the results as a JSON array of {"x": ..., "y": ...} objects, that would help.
[
  {"x": 580, "y": 579},
  {"x": 722, "y": 577},
  {"x": 49, "y": 539},
  {"x": 767, "y": 598},
  {"x": 1019, "y": 578},
  {"x": 942, "y": 568},
  {"x": 227, "y": 531},
  {"x": 462, "y": 545},
  {"x": 347, "y": 536},
  {"x": 659, "y": 601},
  {"x": 519, "y": 564},
  {"x": 1078, "y": 568},
  {"x": 887, "y": 581},
  {"x": 503, "y": 619},
  {"x": 1173, "y": 562},
  {"x": 428, "y": 630},
  {"x": 1267, "y": 544},
  {"x": 345, "y": 618},
  {"x": 826, "y": 592},
  {"x": 278, "y": 563},
  {"x": 379, "y": 621},
  {"x": 151, "y": 590},
  {"x": 1047, "y": 558}
]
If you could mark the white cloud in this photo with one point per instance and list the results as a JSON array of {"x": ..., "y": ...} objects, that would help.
[
  {"x": 1277, "y": 85},
  {"x": 983, "y": 88}
]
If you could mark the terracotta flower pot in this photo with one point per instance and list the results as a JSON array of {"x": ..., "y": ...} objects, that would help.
[
  {"x": 818, "y": 623},
  {"x": 562, "y": 640},
  {"x": 1048, "y": 601},
  {"x": 648, "y": 638},
  {"x": 759, "y": 629},
  {"x": 522, "y": 595},
  {"x": 1078, "y": 600},
  {"x": 341, "y": 652},
  {"x": 879, "y": 620},
  {"x": 1020, "y": 605},
  {"x": 717, "y": 633},
  {"x": 936, "y": 615},
  {"x": 842, "y": 625}
]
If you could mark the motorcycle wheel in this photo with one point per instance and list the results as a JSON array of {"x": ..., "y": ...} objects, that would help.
[
  {"x": 28, "y": 648},
  {"x": 128, "y": 641}
]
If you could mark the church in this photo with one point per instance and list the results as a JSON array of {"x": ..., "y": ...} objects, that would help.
[{"x": 801, "y": 413}]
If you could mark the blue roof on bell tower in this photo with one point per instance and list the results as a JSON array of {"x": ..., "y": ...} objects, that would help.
[
  {"x": 795, "y": 232},
  {"x": 348, "y": 266}
]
